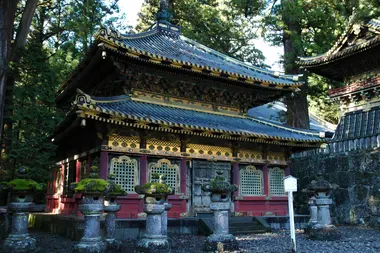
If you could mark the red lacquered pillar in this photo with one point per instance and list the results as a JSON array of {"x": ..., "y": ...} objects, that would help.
[
  {"x": 143, "y": 169},
  {"x": 183, "y": 176},
  {"x": 77, "y": 174},
  {"x": 266, "y": 179},
  {"x": 103, "y": 164}
]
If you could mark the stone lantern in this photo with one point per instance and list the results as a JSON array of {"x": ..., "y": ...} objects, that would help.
[
  {"x": 21, "y": 197},
  {"x": 321, "y": 227},
  {"x": 155, "y": 194},
  {"x": 110, "y": 208},
  {"x": 220, "y": 204},
  {"x": 93, "y": 190}
]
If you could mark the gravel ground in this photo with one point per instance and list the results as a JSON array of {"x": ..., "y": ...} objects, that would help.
[{"x": 354, "y": 240}]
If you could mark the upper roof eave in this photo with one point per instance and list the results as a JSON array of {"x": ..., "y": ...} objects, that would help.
[{"x": 115, "y": 41}]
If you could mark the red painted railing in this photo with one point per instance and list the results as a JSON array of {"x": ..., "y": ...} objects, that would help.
[{"x": 374, "y": 81}]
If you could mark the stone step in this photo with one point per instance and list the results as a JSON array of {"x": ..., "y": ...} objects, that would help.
[
  {"x": 245, "y": 232},
  {"x": 237, "y": 225}
]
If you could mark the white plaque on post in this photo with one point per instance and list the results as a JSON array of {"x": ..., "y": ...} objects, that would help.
[{"x": 290, "y": 186}]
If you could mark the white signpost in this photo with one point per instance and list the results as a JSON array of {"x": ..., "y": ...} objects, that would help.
[{"x": 290, "y": 186}]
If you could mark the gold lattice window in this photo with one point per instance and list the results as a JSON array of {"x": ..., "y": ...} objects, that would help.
[
  {"x": 121, "y": 141},
  {"x": 276, "y": 181},
  {"x": 164, "y": 167},
  {"x": 126, "y": 173},
  {"x": 251, "y": 181}
]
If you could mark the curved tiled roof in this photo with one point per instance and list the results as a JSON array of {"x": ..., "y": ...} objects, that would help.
[
  {"x": 164, "y": 44},
  {"x": 338, "y": 51},
  {"x": 119, "y": 109}
]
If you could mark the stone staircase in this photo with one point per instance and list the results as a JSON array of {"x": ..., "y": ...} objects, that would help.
[
  {"x": 237, "y": 225},
  {"x": 247, "y": 225}
]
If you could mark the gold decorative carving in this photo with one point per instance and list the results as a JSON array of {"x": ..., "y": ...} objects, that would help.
[
  {"x": 143, "y": 96},
  {"x": 253, "y": 156},
  {"x": 164, "y": 147},
  {"x": 208, "y": 152},
  {"x": 124, "y": 143},
  {"x": 276, "y": 158}
]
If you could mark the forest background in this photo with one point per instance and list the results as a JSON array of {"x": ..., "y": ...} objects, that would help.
[{"x": 41, "y": 42}]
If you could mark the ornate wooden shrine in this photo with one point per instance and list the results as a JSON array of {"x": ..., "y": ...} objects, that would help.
[
  {"x": 160, "y": 102},
  {"x": 353, "y": 61}
]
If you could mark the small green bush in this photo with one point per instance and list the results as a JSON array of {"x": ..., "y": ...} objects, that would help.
[
  {"x": 154, "y": 188},
  {"x": 21, "y": 185},
  {"x": 91, "y": 185}
]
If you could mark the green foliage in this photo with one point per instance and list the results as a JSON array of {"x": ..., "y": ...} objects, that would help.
[
  {"x": 21, "y": 185},
  {"x": 61, "y": 32}
]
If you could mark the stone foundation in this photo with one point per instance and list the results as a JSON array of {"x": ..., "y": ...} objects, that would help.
[{"x": 357, "y": 199}]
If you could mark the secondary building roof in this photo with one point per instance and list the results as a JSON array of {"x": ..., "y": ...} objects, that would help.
[
  {"x": 357, "y": 38},
  {"x": 275, "y": 112}
]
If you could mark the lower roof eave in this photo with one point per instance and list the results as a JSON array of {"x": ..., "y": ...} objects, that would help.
[{"x": 275, "y": 140}]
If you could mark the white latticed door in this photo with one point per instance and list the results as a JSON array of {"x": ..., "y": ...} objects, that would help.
[
  {"x": 164, "y": 167},
  {"x": 276, "y": 181},
  {"x": 251, "y": 181},
  {"x": 126, "y": 174}
]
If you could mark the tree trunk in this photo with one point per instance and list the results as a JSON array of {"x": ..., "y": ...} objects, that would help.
[
  {"x": 7, "y": 16},
  {"x": 16, "y": 55},
  {"x": 297, "y": 107}
]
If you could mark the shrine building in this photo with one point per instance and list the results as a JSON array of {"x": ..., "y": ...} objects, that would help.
[
  {"x": 353, "y": 62},
  {"x": 157, "y": 101}
]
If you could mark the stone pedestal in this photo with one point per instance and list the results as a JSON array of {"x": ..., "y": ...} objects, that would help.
[
  {"x": 313, "y": 213},
  {"x": 323, "y": 204},
  {"x": 153, "y": 240},
  {"x": 110, "y": 208},
  {"x": 19, "y": 241},
  {"x": 92, "y": 208},
  {"x": 323, "y": 229},
  {"x": 164, "y": 219},
  {"x": 220, "y": 240}
]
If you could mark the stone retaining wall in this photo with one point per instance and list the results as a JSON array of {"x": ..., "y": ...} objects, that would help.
[
  {"x": 357, "y": 177},
  {"x": 73, "y": 227}
]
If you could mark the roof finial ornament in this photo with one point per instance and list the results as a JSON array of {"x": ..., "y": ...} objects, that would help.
[{"x": 164, "y": 15}]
